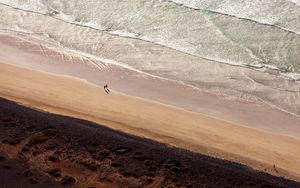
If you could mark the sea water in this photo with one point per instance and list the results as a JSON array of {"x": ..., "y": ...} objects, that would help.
[{"x": 197, "y": 42}]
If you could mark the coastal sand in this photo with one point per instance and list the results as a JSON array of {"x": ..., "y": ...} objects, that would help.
[
  {"x": 152, "y": 120},
  {"x": 252, "y": 112}
]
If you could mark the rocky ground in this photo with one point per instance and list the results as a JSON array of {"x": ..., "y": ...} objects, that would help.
[{"x": 39, "y": 149}]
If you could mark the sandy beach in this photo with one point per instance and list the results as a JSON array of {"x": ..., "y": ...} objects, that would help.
[
  {"x": 38, "y": 55},
  {"x": 166, "y": 124},
  {"x": 177, "y": 93},
  {"x": 48, "y": 150}
]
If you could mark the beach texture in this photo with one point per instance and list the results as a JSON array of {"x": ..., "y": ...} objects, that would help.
[
  {"x": 152, "y": 120},
  {"x": 47, "y": 150},
  {"x": 219, "y": 78}
]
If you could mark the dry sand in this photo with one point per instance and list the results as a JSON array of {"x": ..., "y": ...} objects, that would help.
[
  {"x": 152, "y": 120},
  {"x": 92, "y": 155},
  {"x": 35, "y": 55}
]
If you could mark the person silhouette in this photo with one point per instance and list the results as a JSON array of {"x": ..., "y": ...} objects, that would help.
[
  {"x": 106, "y": 89},
  {"x": 275, "y": 169}
]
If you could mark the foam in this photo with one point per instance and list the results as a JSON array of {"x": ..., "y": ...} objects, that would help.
[
  {"x": 228, "y": 49},
  {"x": 139, "y": 40}
]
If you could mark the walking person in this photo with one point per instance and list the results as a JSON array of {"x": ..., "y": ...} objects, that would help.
[{"x": 106, "y": 89}]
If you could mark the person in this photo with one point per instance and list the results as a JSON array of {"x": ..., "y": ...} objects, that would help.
[
  {"x": 275, "y": 168},
  {"x": 106, "y": 89}
]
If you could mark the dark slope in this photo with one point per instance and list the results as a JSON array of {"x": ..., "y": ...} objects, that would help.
[{"x": 53, "y": 142}]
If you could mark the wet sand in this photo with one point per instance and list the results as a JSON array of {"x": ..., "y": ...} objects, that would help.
[
  {"x": 26, "y": 52},
  {"x": 166, "y": 124}
]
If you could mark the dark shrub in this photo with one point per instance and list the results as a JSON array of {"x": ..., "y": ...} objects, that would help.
[
  {"x": 89, "y": 163},
  {"x": 68, "y": 180},
  {"x": 54, "y": 172},
  {"x": 36, "y": 138},
  {"x": 102, "y": 154},
  {"x": 50, "y": 131},
  {"x": 53, "y": 158}
]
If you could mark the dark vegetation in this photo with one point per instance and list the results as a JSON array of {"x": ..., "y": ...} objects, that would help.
[
  {"x": 56, "y": 172},
  {"x": 68, "y": 180}
]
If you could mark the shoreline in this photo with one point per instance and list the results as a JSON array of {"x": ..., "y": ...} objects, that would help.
[
  {"x": 159, "y": 123},
  {"x": 291, "y": 76},
  {"x": 253, "y": 113},
  {"x": 143, "y": 99}
]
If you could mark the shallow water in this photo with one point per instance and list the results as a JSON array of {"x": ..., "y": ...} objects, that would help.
[{"x": 188, "y": 43}]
